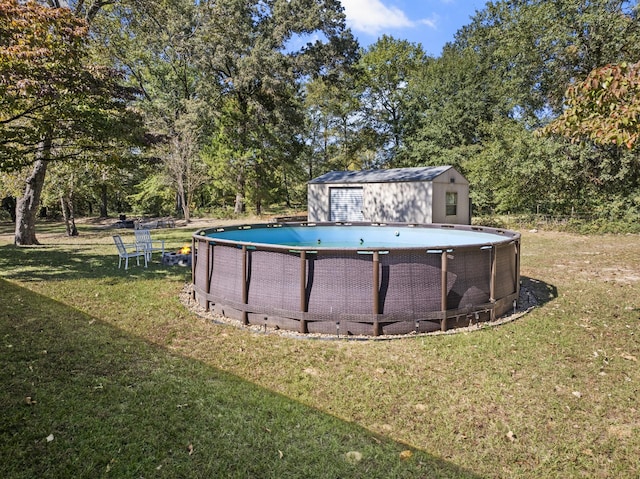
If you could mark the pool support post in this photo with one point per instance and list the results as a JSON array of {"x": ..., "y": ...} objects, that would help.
[
  {"x": 516, "y": 245},
  {"x": 245, "y": 286},
  {"x": 303, "y": 290},
  {"x": 492, "y": 281},
  {"x": 193, "y": 267},
  {"x": 376, "y": 292},
  {"x": 209, "y": 261},
  {"x": 443, "y": 286}
]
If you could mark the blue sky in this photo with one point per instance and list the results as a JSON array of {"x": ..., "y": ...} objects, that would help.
[{"x": 429, "y": 22}]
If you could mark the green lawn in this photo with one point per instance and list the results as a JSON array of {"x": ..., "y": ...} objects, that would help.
[{"x": 106, "y": 374}]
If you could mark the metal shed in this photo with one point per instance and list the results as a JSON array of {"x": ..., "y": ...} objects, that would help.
[{"x": 432, "y": 194}]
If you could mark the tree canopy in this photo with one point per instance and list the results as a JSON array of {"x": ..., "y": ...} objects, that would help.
[
  {"x": 241, "y": 102},
  {"x": 603, "y": 108},
  {"x": 50, "y": 90}
]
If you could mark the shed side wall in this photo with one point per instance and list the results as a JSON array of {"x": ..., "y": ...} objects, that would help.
[
  {"x": 443, "y": 185},
  {"x": 318, "y": 202},
  {"x": 404, "y": 202}
]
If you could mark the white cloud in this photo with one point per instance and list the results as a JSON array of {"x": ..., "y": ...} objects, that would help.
[
  {"x": 373, "y": 16},
  {"x": 430, "y": 22}
]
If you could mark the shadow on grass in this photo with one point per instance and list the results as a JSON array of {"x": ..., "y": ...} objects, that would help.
[
  {"x": 92, "y": 255},
  {"x": 540, "y": 292},
  {"x": 43, "y": 227},
  {"x": 89, "y": 226},
  {"x": 60, "y": 262},
  {"x": 80, "y": 398}
]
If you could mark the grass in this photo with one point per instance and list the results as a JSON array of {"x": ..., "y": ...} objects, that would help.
[{"x": 129, "y": 383}]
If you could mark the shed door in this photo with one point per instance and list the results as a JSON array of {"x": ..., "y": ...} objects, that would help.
[{"x": 346, "y": 204}]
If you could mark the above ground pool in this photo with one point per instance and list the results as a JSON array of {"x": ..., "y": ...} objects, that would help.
[{"x": 356, "y": 279}]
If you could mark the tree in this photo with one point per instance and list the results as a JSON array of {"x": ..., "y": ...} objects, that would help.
[
  {"x": 389, "y": 68},
  {"x": 516, "y": 171},
  {"x": 253, "y": 51},
  {"x": 39, "y": 58},
  {"x": 451, "y": 102},
  {"x": 244, "y": 157},
  {"x": 601, "y": 118},
  {"x": 604, "y": 108},
  {"x": 224, "y": 156},
  {"x": 334, "y": 121},
  {"x": 157, "y": 43},
  {"x": 61, "y": 185},
  {"x": 185, "y": 168},
  {"x": 55, "y": 104},
  {"x": 538, "y": 47},
  {"x": 529, "y": 52},
  {"x": 85, "y": 9}
]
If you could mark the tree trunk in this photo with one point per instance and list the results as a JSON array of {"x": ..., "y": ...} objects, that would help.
[
  {"x": 240, "y": 187},
  {"x": 72, "y": 216},
  {"x": 186, "y": 211},
  {"x": 184, "y": 202},
  {"x": 27, "y": 205},
  {"x": 66, "y": 204},
  {"x": 285, "y": 181},
  {"x": 65, "y": 214},
  {"x": 178, "y": 203},
  {"x": 103, "y": 202},
  {"x": 239, "y": 204}
]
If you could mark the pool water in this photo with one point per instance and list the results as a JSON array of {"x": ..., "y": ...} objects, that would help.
[{"x": 357, "y": 236}]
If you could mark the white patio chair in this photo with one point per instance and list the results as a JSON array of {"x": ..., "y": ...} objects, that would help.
[
  {"x": 124, "y": 253},
  {"x": 144, "y": 242}
]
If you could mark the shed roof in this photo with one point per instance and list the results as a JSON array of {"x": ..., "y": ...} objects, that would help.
[{"x": 426, "y": 173}]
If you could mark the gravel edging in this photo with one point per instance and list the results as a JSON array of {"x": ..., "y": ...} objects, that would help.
[{"x": 526, "y": 303}]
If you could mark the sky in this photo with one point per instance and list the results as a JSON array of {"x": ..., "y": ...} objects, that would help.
[{"x": 429, "y": 22}]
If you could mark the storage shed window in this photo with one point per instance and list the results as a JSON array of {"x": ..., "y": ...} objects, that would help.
[{"x": 452, "y": 204}]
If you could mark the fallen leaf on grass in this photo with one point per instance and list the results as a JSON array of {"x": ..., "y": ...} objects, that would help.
[
  {"x": 629, "y": 357},
  {"x": 29, "y": 401},
  {"x": 280, "y": 453},
  {"x": 406, "y": 454},
  {"x": 50, "y": 438},
  {"x": 190, "y": 449},
  {"x": 353, "y": 457},
  {"x": 577, "y": 394},
  {"x": 511, "y": 436}
]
